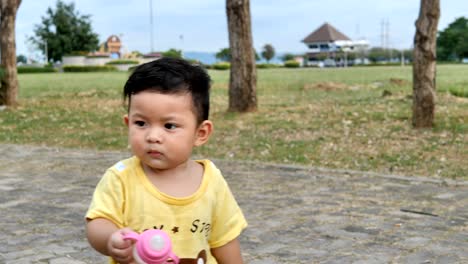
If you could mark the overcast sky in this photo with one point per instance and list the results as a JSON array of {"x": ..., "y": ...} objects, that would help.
[{"x": 201, "y": 25}]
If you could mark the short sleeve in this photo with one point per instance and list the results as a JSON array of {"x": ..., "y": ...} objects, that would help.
[
  {"x": 108, "y": 199},
  {"x": 229, "y": 221}
]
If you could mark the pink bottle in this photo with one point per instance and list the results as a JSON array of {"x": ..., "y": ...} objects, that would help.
[{"x": 153, "y": 246}]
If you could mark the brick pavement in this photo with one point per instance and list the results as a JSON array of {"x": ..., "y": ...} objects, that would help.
[{"x": 295, "y": 214}]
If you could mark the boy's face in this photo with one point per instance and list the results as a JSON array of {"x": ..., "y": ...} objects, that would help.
[{"x": 163, "y": 129}]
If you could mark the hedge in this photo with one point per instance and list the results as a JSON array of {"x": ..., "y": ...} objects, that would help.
[
  {"x": 194, "y": 61},
  {"x": 292, "y": 64},
  {"x": 267, "y": 66},
  {"x": 97, "y": 57},
  {"x": 221, "y": 66},
  {"x": 74, "y": 68},
  {"x": 119, "y": 62},
  {"x": 76, "y": 53},
  {"x": 373, "y": 64},
  {"x": 29, "y": 69}
]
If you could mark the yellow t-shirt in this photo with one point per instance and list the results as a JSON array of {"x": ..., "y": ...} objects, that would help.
[{"x": 209, "y": 218}]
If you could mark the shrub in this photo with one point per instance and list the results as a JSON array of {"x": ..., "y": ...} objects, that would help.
[
  {"x": 194, "y": 61},
  {"x": 119, "y": 62},
  {"x": 76, "y": 53},
  {"x": 266, "y": 66},
  {"x": 97, "y": 57},
  {"x": 291, "y": 64},
  {"x": 74, "y": 68},
  {"x": 383, "y": 64},
  {"x": 30, "y": 69},
  {"x": 130, "y": 69},
  {"x": 1, "y": 73},
  {"x": 173, "y": 53},
  {"x": 222, "y": 66},
  {"x": 459, "y": 91}
]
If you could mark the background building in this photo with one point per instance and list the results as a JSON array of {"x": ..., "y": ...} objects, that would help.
[{"x": 329, "y": 47}]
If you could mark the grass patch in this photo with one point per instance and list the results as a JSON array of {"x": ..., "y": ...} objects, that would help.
[
  {"x": 337, "y": 118},
  {"x": 460, "y": 91}
]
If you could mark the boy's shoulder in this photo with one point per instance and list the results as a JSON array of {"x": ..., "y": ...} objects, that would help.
[
  {"x": 124, "y": 165},
  {"x": 208, "y": 166},
  {"x": 211, "y": 171}
]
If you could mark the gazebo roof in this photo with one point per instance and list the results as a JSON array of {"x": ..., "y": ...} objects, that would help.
[{"x": 325, "y": 33}]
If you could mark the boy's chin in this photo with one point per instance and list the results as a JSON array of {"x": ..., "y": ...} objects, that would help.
[{"x": 157, "y": 167}]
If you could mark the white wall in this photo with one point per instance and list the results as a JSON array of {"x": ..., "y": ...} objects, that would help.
[{"x": 73, "y": 60}]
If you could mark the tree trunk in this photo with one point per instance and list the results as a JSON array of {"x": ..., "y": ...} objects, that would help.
[
  {"x": 9, "y": 82},
  {"x": 243, "y": 75},
  {"x": 424, "y": 64}
]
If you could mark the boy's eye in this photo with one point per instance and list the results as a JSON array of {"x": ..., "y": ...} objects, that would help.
[
  {"x": 140, "y": 123},
  {"x": 170, "y": 126}
]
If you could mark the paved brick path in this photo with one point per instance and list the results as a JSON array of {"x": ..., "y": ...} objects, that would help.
[{"x": 296, "y": 214}]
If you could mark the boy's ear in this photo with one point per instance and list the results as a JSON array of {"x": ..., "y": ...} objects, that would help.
[
  {"x": 125, "y": 118},
  {"x": 203, "y": 133}
]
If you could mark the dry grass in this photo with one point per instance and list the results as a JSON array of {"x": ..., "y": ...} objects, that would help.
[{"x": 337, "y": 118}]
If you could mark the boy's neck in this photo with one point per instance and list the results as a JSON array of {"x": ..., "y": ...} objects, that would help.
[
  {"x": 180, "y": 169},
  {"x": 180, "y": 181}
]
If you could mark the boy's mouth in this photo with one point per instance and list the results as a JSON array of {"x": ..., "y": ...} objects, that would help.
[{"x": 154, "y": 153}]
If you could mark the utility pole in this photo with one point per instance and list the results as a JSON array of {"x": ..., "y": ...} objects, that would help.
[
  {"x": 45, "y": 52},
  {"x": 181, "y": 37},
  {"x": 382, "y": 34},
  {"x": 387, "y": 36},
  {"x": 151, "y": 25},
  {"x": 402, "y": 57}
]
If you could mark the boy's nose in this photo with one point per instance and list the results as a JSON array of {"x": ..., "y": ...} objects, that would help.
[{"x": 154, "y": 136}]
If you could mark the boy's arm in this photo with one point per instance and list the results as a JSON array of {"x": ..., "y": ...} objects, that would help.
[
  {"x": 229, "y": 253},
  {"x": 98, "y": 232},
  {"x": 106, "y": 238}
]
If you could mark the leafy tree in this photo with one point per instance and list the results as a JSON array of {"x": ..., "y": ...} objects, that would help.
[
  {"x": 452, "y": 42},
  {"x": 173, "y": 53},
  {"x": 408, "y": 54},
  {"x": 257, "y": 58},
  {"x": 137, "y": 53},
  {"x": 322, "y": 56},
  {"x": 224, "y": 54},
  {"x": 287, "y": 57},
  {"x": 268, "y": 52},
  {"x": 64, "y": 30},
  {"x": 351, "y": 56},
  {"x": 379, "y": 54},
  {"x": 21, "y": 58}
]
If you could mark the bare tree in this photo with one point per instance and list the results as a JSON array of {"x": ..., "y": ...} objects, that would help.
[
  {"x": 424, "y": 64},
  {"x": 243, "y": 76},
  {"x": 9, "y": 82}
]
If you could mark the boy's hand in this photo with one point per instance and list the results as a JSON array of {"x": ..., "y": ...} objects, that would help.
[{"x": 119, "y": 249}]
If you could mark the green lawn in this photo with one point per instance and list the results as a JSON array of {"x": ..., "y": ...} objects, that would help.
[{"x": 335, "y": 118}]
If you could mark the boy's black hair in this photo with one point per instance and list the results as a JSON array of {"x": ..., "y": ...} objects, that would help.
[{"x": 172, "y": 76}]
